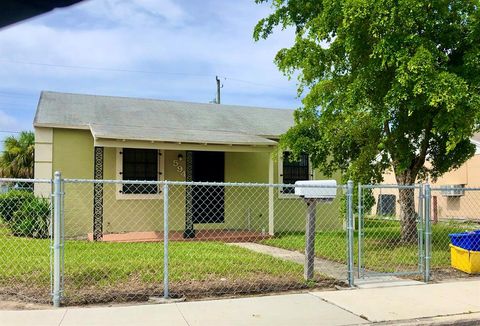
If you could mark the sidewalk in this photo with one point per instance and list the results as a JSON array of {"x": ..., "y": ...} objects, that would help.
[{"x": 445, "y": 303}]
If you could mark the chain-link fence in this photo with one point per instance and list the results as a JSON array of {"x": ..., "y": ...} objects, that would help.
[
  {"x": 91, "y": 241},
  {"x": 223, "y": 239},
  {"x": 25, "y": 240}
]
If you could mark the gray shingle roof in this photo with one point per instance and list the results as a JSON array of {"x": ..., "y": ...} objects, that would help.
[{"x": 159, "y": 120}]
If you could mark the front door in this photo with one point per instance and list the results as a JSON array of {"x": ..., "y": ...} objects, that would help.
[{"x": 208, "y": 202}]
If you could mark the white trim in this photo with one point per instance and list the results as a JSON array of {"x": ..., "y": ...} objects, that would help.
[
  {"x": 119, "y": 186},
  {"x": 281, "y": 195},
  {"x": 181, "y": 146}
]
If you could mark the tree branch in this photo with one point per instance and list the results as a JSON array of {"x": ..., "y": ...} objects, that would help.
[{"x": 420, "y": 159}]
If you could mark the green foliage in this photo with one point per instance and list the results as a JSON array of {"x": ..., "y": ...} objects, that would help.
[
  {"x": 17, "y": 159},
  {"x": 11, "y": 201},
  {"x": 31, "y": 219},
  {"x": 385, "y": 83}
]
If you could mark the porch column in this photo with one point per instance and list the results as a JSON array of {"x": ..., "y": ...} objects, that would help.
[
  {"x": 189, "y": 231},
  {"x": 271, "y": 190},
  {"x": 98, "y": 194}
]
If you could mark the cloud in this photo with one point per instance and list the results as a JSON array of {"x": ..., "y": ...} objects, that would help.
[
  {"x": 184, "y": 44},
  {"x": 7, "y": 122}
]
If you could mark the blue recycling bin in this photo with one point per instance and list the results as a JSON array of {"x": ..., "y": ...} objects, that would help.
[{"x": 466, "y": 240}]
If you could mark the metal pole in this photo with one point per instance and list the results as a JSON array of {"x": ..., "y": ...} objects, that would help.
[
  {"x": 57, "y": 244},
  {"x": 359, "y": 227},
  {"x": 166, "y": 293},
  {"x": 218, "y": 89},
  {"x": 350, "y": 231},
  {"x": 310, "y": 240},
  {"x": 428, "y": 231},
  {"x": 421, "y": 214}
]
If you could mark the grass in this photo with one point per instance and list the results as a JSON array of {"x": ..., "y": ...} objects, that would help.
[
  {"x": 100, "y": 271},
  {"x": 383, "y": 249},
  {"x": 110, "y": 270}
]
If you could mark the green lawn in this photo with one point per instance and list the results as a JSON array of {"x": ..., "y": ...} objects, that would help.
[
  {"x": 383, "y": 249},
  {"x": 120, "y": 271}
]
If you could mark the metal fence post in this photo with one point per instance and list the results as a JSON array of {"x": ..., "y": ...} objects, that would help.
[
  {"x": 359, "y": 228},
  {"x": 428, "y": 231},
  {"x": 350, "y": 231},
  {"x": 166, "y": 293},
  {"x": 420, "y": 227},
  {"x": 57, "y": 239}
]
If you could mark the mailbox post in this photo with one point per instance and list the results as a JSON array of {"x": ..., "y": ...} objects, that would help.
[
  {"x": 308, "y": 269},
  {"x": 312, "y": 192}
]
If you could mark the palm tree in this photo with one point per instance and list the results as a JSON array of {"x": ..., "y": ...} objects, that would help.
[{"x": 17, "y": 158}]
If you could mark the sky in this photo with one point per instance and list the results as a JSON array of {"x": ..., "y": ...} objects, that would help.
[{"x": 163, "y": 49}]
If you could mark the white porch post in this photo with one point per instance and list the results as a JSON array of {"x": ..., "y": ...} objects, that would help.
[{"x": 271, "y": 216}]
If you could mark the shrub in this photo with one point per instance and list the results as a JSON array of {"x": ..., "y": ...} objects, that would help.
[
  {"x": 32, "y": 219},
  {"x": 11, "y": 201}
]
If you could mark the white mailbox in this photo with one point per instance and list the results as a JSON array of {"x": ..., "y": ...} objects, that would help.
[{"x": 324, "y": 190}]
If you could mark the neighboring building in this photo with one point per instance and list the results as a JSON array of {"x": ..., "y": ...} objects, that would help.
[
  {"x": 451, "y": 202},
  {"x": 115, "y": 138}
]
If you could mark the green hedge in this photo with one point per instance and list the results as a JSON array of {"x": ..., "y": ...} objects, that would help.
[
  {"x": 24, "y": 214},
  {"x": 32, "y": 219},
  {"x": 11, "y": 201}
]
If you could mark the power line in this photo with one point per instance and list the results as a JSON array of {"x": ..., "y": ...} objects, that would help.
[
  {"x": 42, "y": 64},
  {"x": 10, "y": 132},
  {"x": 255, "y": 83},
  {"x": 17, "y": 95},
  {"x": 104, "y": 69}
]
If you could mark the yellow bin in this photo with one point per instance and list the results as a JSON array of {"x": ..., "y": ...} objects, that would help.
[{"x": 467, "y": 261}]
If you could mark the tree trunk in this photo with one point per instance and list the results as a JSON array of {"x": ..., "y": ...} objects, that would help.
[{"x": 408, "y": 215}]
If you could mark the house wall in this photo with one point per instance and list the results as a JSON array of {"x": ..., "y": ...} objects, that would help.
[
  {"x": 43, "y": 165},
  {"x": 462, "y": 207},
  {"x": 245, "y": 207}
]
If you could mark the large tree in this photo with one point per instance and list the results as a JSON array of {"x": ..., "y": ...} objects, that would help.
[
  {"x": 386, "y": 84},
  {"x": 17, "y": 158}
]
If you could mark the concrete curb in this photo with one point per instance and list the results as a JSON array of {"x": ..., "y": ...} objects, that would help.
[{"x": 457, "y": 320}]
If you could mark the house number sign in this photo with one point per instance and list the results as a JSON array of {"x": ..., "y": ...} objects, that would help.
[{"x": 178, "y": 166}]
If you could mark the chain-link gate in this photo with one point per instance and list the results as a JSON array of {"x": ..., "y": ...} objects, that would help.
[{"x": 391, "y": 231}]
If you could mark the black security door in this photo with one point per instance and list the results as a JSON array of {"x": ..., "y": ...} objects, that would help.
[{"x": 208, "y": 202}]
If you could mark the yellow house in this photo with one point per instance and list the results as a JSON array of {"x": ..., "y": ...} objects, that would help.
[
  {"x": 117, "y": 138},
  {"x": 451, "y": 198}
]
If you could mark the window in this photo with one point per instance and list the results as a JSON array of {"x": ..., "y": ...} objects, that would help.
[
  {"x": 140, "y": 164},
  {"x": 292, "y": 171}
]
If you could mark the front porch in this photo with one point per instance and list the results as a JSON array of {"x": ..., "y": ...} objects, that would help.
[
  {"x": 200, "y": 235},
  {"x": 208, "y": 213}
]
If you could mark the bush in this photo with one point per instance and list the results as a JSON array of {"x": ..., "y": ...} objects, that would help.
[
  {"x": 32, "y": 219},
  {"x": 11, "y": 201}
]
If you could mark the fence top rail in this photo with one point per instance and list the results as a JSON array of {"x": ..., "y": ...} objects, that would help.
[
  {"x": 195, "y": 183},
  {"x": 25, "y": 180},
  {"x": 391, "y": 186}
]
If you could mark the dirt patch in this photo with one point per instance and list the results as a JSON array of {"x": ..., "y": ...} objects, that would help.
[
  {"x": 22, "y": 294},
  {"x": 443, "y": 274},
  {"x": 191, "y": 290},
  {"x": 136, "y": 291}
]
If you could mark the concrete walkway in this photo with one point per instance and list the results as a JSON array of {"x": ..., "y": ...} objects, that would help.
[
  {"x": 325, "y": 267},
  {"x": 446, "y": 303}
]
